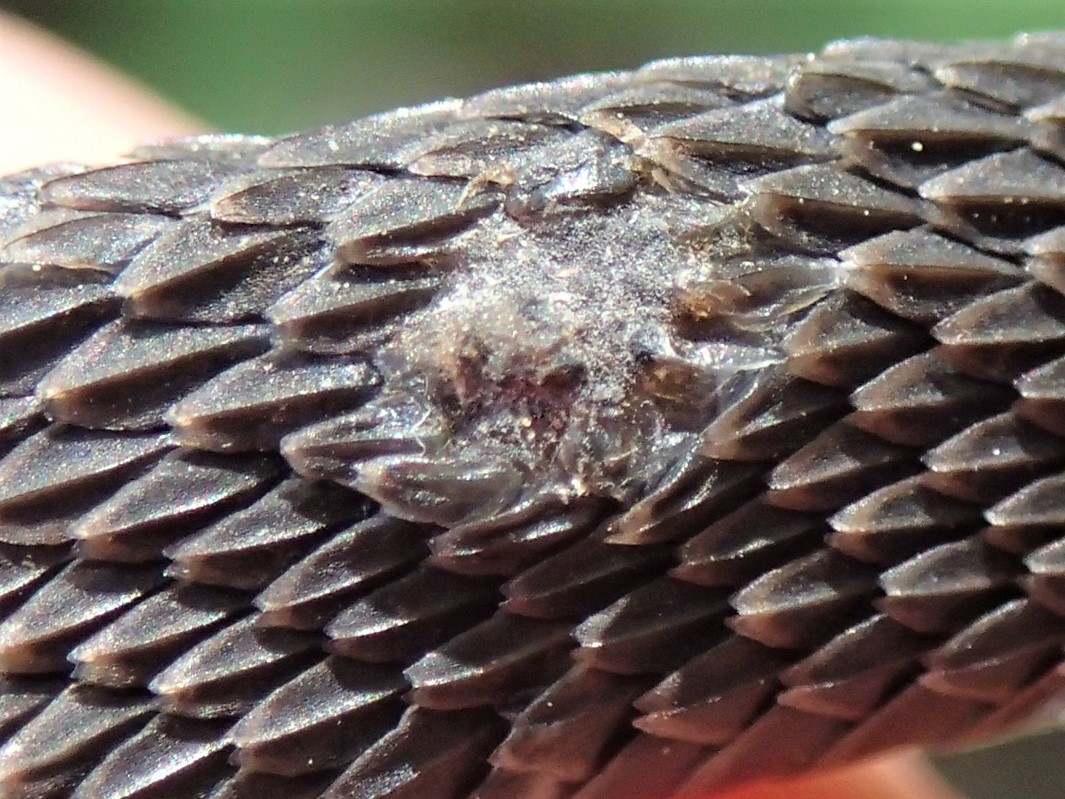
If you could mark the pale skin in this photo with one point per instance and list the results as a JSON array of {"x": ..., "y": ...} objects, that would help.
[{"x": 61, "y": 105}]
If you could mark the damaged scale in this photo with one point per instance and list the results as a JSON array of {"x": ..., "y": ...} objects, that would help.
[{"x": 625, "y": 436}]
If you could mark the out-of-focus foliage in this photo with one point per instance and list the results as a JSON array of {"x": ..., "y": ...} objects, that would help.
[{"x": 275, "y": 65}]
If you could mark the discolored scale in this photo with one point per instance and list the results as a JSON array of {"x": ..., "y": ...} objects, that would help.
[
  {"x": 914, "y": 138},
  {"x": 128, "y": 373},
  {"x": 352, "y": 561},
  {"x": 943, "y": 588},
  {"x": 693, "y": 492},
  {"x": 230, "y": 672},
  {"x": 923, "y": 400},
  {"x": 758, "y": 132},
  {"x": 1010, "y": 195},
  {"x": 1046, "y": 584},
  {"x": 170, "y": 757},
  {"x": 737, "y": 142},
  {"x": 297, "y": 197},
  {"x": 49, "y": 756},
  {"x": 323, "y": 719},
  {"x": 923, "y": 276},
  {"x": 735, "y": 76},
  {"x": 802, "y": 603},
  {"x": 429, "y": 755},
  {"x": 823, "y": 208},
  {"x": 556, "y": 102},
  {"x": 713, "y": 697},
  {"x": 566, "y": 731},
  {"x": 512, "y": 540},
  {"x": 334, "y": 448},
  {"x": 445, "y": 491},
  {"x": 742, "y": 545},
  {"x": 369, "y": 143},
  {"x": 753, "y": 295},
  {"x": 338, "y": 312},
  {"x": 899, "y": 520},
  {"x": 479, "y": 147},
  {"x": 408, "y": 617},
  {"x": 183, "y": 492},
  {"x": 846, "y": 340},
  {"x": 249, "y": 548},
  {"x": 39, "y": 325},
  {"x": 997, "y": 655},
  {"x": 782, "y": 741},
  {"x": 652, "y": 629},
  {"x": 163, "y": 185},
  {"x": 253, "y": 405},
  {"x": 636, "y": 108},
  {"x": 205, "y": 271},
  {"x": 840, "y": 466},
  {"x": 1003, "y": 335},
  {"x": 38, "y": 636},
  {"x": 490, "y": 663},
  {"x": 79, "y": 245},
  {"x": 389, "y": 224},
  {"x": 147, "y": 637},
  {"x": 992, "y": 458},
  {"x": 582, "y": 579},
  {"x": 586, "y": 170},
  {"x": 769, "y": 416},
  {"x": 826, "y": 89}
]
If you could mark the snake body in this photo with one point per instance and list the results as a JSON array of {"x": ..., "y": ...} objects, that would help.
[{"x": 634, "y": 434}]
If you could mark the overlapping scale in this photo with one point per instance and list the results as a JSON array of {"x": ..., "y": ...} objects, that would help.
[
  {"x": 625, "y": 435},
  {"x": 184, "y": 491},
  {"x": 342, "y": 708},
  {"x": 204, "y": 271},
  {"x": 171, "y": 756},
  {"x": 229, "y": 672},
  {"x": 127, "y": 374},
  {"x": 51, "y": 754},
  {"x": 51, "y": 479},
  {"x": 249, "y": 548}
]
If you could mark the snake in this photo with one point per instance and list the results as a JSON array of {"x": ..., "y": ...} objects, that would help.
[{"x": 638, "y": 433}]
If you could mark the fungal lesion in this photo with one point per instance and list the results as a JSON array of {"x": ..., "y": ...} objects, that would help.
[{"x": 548, "y": 363}]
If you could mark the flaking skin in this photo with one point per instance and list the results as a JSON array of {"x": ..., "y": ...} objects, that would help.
[{"x": 631, "y": 435}]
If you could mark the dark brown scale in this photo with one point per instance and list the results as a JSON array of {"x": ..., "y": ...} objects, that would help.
[{"x": 628, "y": 435}]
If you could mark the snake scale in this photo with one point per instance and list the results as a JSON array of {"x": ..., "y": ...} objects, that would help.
[{"x": 624, "y": 436}]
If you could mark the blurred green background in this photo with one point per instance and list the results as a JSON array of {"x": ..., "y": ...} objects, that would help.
[
  {"x": 269, "y": 66},
  {"x": 277, "y": 65}
]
